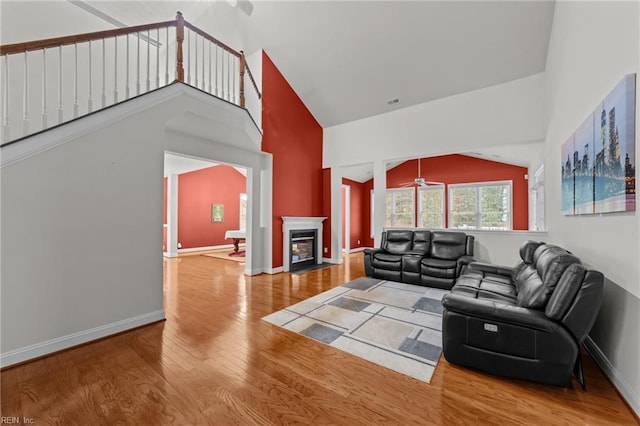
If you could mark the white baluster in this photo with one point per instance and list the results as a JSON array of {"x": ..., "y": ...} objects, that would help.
[
  {"x": 115, "y": 70},
  {"x": 25, "y": 100},
  {"x": 104, "y": 76},
  {"x": 234, "y": 73},
  {"x": 209, "y": 67},
  {"x": 222, "y": 72},
  {"x": 148, "y": 61},
  {"x": 75, "y": 78},
  {"x": 127, "y": 87},
  {"x": 158, "y": 58},
  {"x": 166, "y": 62},
  {"x": 195, "y": 54},
  {"x": 90, "y": 100},
  {"x": 229, "y": 76},
  {"x": 216, "y": 80},
  {"x": 5, "y": 101},
  {"x": 138, "y": 67},
  {"x": 204, "y": 84},
  {"x": 44, "y": 88},
  {"x": 60, "y": 111}
]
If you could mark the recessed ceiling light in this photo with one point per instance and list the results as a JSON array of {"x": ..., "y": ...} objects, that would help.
[{"x": 393, "y": 101}]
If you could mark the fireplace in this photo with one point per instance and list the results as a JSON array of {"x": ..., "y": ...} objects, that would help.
[
  {"x": 302, "y": 249},
  {"x": 307, "y": 246}
]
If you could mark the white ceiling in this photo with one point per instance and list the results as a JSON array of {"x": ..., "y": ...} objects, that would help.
[{"x": 178, "y": 164}]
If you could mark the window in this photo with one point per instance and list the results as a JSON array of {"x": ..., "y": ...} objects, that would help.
[
  {"x": 243, "y": 212},
  {"x": 431, "y": 207},
  {"x": 399, "y": 208},
  {"x": 484, "y": 205}
]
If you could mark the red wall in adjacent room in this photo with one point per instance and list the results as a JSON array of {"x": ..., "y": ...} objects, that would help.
[
  {"x": 458, "y": 168},
  {"x": 294, "y": 137},
  {"x": 197, "y": 191},
  {"x": 360, "y": 213}
]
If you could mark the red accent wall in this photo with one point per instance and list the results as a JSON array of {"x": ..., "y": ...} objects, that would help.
[
  {"x": 197, "y": 191},
  {"x": 456, "y": 168},
  {"x": 294, "y": 137},
  {"x": 360, "y": 213}
]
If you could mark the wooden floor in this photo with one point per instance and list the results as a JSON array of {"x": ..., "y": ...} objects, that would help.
[{"x": 213, "y": 361}]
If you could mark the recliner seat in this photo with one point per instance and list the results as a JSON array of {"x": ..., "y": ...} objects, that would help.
[{"x": 524, "y": 322}]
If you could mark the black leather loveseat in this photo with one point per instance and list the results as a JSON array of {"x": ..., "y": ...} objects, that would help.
[
  {"x": 524, "y": 322},
  {"x": 422, "y": 257}
]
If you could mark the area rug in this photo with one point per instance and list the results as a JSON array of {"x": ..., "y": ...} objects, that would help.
[{"x": 395, "y": 325}]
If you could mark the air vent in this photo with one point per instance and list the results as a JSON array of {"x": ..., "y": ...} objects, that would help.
[{"x": 393, "y": 101}]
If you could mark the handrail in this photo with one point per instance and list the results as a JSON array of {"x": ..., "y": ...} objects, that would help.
[
  {"x": 10, "y": 49},
  {"x": 222, "y": 75},
  {"x": 211, "y": 38}
]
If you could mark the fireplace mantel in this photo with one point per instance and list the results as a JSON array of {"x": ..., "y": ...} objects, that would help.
[{"x": 297, "y": 223}]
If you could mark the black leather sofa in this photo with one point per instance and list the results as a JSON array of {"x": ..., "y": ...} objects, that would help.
[
  {"x": 422, "y": 257},
  {"x": 527, "y": 321}
]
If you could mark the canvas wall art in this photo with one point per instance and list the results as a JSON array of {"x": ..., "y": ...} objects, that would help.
[{"x": 598, "y": 159}]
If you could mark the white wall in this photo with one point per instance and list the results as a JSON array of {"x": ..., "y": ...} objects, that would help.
[
  {"x": 504, "y": 114},
  {"x": 593, "y": 45},
  {"x": 81, "y": 217}
]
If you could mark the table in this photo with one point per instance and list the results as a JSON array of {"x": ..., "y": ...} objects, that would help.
[{"x": 236, "y": 235}]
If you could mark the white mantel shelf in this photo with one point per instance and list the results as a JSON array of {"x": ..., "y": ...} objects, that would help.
[{"x": 297, "y": 223}]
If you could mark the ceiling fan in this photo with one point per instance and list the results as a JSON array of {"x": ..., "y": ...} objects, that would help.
[{"x": 420, "y": 181}]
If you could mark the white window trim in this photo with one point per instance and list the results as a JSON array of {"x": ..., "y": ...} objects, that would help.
[
  {"x": 454, "y": 186},
  {"x": 442, "y": 207},
  {"x": 413, "y": 206},
  {"x": 243, "y": 196}
]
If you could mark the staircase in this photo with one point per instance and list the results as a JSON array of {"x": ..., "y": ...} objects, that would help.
[{"x": 46, "y": 83}]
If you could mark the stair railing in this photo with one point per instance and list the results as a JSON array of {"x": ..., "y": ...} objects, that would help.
[{"x": 76, "y": 75}]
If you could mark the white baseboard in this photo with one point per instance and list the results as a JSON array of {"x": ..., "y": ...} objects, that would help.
[
  {"x": 275, "y": 270},
  {"x": 59, "y": 343},
  {"x": 335, "y": 261},
  {"x": 614, "y": 375}
]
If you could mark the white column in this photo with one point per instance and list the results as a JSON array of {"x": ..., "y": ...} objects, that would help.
[
  {"x": 336, "y": 215},
  {"x": 172, "y": 216},
  {"x": 379, "y": 196}
]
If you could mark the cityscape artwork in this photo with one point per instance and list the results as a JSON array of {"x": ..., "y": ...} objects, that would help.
[{"x": 598, "y": 159}]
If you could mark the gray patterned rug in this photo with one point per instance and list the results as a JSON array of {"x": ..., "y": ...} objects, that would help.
[{"x": 397, "y": 326}]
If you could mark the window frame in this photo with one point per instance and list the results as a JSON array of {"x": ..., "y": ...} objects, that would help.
[
  {"x": 478, "y": 214},
  {"x": 394, "y": 191},
  {"x": 243, "y": 209}
]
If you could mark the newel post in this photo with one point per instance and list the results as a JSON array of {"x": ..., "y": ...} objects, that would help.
[
  {"x": 179, "y": 40},
  {"x": 243, "y": 65}
]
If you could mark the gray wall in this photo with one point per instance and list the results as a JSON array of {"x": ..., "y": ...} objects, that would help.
[{"x": 593, "y": 46}]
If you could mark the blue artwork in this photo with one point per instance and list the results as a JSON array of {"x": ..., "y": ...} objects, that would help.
[{"x": 598, "y": 159}]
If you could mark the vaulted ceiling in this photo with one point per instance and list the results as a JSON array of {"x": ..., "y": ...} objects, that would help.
[{"x": 345, "y": 59}]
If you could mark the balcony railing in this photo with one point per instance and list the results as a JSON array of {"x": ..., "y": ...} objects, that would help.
[{"x": 49, "y": 82}]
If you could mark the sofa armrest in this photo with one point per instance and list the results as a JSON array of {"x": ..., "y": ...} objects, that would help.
[
  {"x": 371, "y": 251},
  {"x": 462, "y": 264},
  {"x": 493, "y": 310},
  {"x": 490, "y": 268}
]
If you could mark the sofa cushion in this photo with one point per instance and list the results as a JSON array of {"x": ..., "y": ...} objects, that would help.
[
  {"x": 448, "y": 245},
  {"x": 528, "y": 287},
  {"x": 398, "y": 241},
  {"x": 421, "y": 241},
  {"x": 565, "y": 292},
  {"x": 438, "y": 267},
  {"x": 535, "y": 283},
  {"x": 527, "y": 250}
]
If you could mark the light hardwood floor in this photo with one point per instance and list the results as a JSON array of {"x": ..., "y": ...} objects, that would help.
[{"x": 213, "y": 361}]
